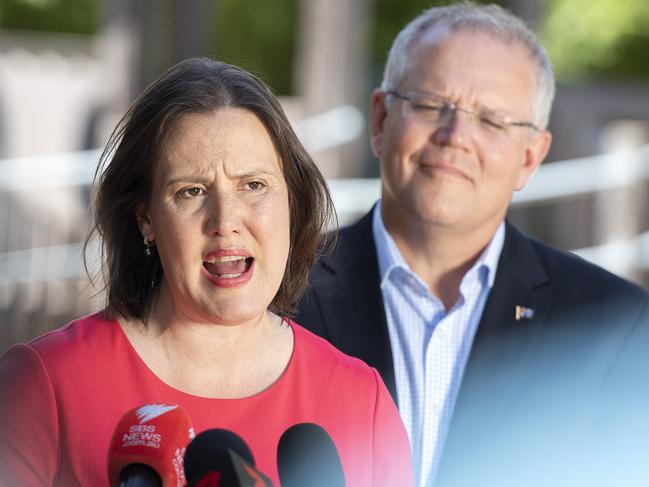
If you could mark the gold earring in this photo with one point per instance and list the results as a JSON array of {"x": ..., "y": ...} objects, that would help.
[{"x": 147, "y": 247}]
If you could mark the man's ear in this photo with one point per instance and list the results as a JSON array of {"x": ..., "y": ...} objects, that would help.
[
  {"x": 534, "y": 156},
  {"x": 144, "y": 223},
  {"x": 377, "y": 120}
]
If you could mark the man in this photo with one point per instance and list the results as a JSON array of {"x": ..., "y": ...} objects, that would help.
[{"x": 435, "y": 289}]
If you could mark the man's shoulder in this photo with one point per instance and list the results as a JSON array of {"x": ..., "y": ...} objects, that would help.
[
  {"x": 347, "y": 245},
  {"x": 571, "y": 272},
  {"x": 343, "y": 284}
]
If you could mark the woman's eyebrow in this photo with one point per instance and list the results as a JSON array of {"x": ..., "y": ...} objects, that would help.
[
  {"x": 199, "y": 178},
  {"x": 255, "y": 172}
]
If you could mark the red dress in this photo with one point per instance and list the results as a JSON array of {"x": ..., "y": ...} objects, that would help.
[{"x": 62, "y": 395}]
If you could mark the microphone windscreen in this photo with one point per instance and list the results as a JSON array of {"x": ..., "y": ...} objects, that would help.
[
  {"x": 139, "y": 475},
  {"x": 154, "y": 435},
  {"x": 306, "y": 455},
  {"x": 219, "y": 457}
]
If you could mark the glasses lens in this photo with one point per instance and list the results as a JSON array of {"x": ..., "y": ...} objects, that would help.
[
  {"x": 431, "y": 109},
  {"x": 425, "y": 108},
  {"x": 492, "y": 121}
]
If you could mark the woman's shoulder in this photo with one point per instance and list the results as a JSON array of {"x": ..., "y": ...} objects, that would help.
[
  {"x": 86, "y": 334},
  {"x": 89, "y": 349}
]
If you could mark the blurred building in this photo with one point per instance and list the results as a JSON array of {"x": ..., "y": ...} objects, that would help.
[{"x": 61, "y": 93}]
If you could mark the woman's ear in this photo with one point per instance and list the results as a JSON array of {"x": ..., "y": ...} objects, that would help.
[{"x": 144, "y": 223}]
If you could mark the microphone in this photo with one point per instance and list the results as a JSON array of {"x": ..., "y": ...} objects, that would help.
[
  {"x": 306, "y": 455},
  {"x": 220, "y": 458},
  {"x": 147, "y": 447}
]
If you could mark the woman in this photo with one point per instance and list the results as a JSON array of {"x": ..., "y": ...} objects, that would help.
[{"x": 209, "y": 210}]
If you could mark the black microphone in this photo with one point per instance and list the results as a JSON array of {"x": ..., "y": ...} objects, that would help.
[
  {"x": 220, "y": 458},
  {"x": 306, "y": 455},
  {"x": 139, "y": 475}
]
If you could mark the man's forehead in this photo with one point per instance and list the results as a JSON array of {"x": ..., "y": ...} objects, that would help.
[
  {"x": 474, "y": 65},
  {"x": 469, "y": 48}
]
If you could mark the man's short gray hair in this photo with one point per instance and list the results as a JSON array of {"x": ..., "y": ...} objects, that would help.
[{"x": 490, "y": 19}]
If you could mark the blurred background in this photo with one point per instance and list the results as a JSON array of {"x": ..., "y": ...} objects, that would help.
[{"x": 69, "y": 69}]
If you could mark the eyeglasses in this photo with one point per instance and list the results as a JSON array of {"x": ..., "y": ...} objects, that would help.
[{"x": 433, "y": 109}]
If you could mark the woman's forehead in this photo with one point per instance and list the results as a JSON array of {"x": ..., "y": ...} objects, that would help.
[{"x": 231, "y": 136}]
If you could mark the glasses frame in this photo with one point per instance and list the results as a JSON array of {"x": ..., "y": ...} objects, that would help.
[{"x": 449, "y": 109}]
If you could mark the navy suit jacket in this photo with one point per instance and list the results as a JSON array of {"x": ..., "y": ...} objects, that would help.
[{"x": 541, "y": 399}]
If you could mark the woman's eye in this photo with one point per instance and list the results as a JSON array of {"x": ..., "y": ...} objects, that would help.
[
  {"x": 191, "y": 192},
  {"x": 255, "y": 185}
]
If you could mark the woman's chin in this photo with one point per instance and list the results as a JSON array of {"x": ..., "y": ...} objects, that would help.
[{"x": 234, "y": 311}]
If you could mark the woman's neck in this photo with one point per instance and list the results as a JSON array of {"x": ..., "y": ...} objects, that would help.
[{"x": 213, "y": 360}]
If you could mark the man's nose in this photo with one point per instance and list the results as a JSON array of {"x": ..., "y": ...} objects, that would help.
[{"x": 455, "y": 128}]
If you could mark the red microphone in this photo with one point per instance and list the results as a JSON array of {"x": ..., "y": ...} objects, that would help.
[{"x": 148, "y": 446}]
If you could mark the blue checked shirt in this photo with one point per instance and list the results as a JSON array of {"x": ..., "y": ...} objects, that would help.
[{"x": 430, "y": 346}]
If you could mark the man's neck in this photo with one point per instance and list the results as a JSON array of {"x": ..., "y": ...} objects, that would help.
[{"x": 439, "y": 255}]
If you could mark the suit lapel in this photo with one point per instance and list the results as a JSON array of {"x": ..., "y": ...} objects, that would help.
[
  {"x": 353, "y": 306},
  {"x": 356, "y": 324},
  {"x": 499, "y": 350}
]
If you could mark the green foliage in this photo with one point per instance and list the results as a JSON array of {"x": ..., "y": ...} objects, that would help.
[
  {"x": 69, "y": 16},
  {"x": 597, "y": 38},
  {"x": 585, "y": 38},
  {"x": 258, "y": 36}
]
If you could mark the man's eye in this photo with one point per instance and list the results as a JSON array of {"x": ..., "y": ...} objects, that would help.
[
  {"x": 492, "y": 122},
  {"x": 427, "y": 107}
]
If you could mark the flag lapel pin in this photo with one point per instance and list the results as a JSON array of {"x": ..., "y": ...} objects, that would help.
[{"x": 523, "y": 313}]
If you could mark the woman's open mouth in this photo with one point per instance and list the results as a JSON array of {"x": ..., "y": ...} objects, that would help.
[{"x": 228, "y": 270}]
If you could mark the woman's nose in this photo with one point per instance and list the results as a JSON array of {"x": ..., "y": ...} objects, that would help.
[{"x": 224, "y": 214}]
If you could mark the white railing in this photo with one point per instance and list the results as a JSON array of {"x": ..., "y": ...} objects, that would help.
[
  {"x": 54, "y": 170},
  {"x": 352, "y": 197}
]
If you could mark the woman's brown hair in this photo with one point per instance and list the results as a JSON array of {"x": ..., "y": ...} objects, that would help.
[{"x": 124, "y": 180}]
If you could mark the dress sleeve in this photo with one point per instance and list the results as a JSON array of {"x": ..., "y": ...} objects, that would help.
[
  {"x": 28, "y": 420},
  {"x": 392, "y": 457}
]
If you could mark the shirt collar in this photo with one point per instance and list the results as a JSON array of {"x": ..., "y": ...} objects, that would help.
[
  {"x": 390, "y": 258},
  {"x": 387, "y": 251},
  {"x": 491, "y": 255}
]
